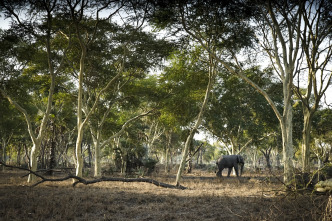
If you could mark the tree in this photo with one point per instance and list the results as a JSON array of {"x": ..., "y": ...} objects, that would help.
[
  {"x": 130, "y": 91},
  {"x": 112, "y": 57},
  {"x": 224, "y": 23},
  {"x": 238, "y": 115},
  {"x": 186, "y": 71},
  {"x": 33, "y": 33},
  {"x": 322, "y": 132},
  {"x": 273, "y": 20},
  {"x": 10, "y": 125},
  {"x": 86, "y": 27},
  {"x": 316, "y": 55}
]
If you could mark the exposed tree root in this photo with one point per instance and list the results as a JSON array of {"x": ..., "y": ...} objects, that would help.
[{"x": 102, "y": 179}]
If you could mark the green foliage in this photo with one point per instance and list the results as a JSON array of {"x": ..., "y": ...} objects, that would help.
[
  {"x": 238, "y": 113},
  {"x": 150, "y": 164},
  {"x": 210, "y": 152},
  {"x": 322, "y": 124},
  {"x": 223, "y": 22},
  {"x": 184, "y": 83}
]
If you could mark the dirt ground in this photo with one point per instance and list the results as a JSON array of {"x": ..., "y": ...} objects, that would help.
[{"x": 207, "y": 198}]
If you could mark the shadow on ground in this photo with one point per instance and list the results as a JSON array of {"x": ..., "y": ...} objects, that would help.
[{"x": 207, "y": 198}]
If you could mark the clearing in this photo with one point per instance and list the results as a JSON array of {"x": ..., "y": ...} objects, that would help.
[{"x": 253, "y": 197}]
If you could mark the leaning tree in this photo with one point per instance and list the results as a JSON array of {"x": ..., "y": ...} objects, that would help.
[
  {"x": 276, "y": 26},
  {"x": 32, "y": 54}
]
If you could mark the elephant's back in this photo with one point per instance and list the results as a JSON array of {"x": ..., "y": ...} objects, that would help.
[{"x": 225, "y": 158}]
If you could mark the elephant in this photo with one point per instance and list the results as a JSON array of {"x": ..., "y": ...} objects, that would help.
[{"x": 230, "y": 161}]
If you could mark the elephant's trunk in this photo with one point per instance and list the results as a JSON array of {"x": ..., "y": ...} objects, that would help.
[{"x": 241, "y": 169}]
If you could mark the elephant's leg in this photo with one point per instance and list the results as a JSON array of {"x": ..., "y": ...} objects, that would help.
[
  {"x": 229, "y": 171},
  {"x": 219, "y": 173},
  {"x": 236, "y": 168}
]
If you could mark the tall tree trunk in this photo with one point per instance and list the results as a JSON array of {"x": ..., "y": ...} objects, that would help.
[
  {"x": 19, "y": 154},
  {"x": 78, "y": 151},
  {"x": 315, "y": 40},
  {"x": 52, "y": 163},
  {"x": 212, "y": 74},
  {"x": 33, "y": 160},
  {"x": 287, "y": 143},
  {"x": 100, "y": 144},
  {"x": 190, "y": 162},
  {"x": 267, "y": 154},
  {"x": 97, "y": 166},
  {"x": 306, "y": 140},
  {"x": 89, "y": 155},
  {"x": 167, "y": 151},
  {"x": 184, "y": 155},
  {"x": 80, "y": 123},
  {"x": 255, "y": 160},
  {"x": 36, "y": 141}
]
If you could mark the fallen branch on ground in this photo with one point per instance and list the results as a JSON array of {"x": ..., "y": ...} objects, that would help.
[{"x": 102, "y": 179}]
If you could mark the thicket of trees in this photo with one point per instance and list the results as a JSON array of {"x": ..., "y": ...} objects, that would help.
[{"x": 130, "y": 83}]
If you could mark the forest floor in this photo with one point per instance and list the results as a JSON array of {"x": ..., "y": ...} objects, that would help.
[{"x": 253, "y": 197}]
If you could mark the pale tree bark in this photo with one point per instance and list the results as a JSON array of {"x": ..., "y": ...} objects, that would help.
[
  {"x": 155, "y": 131},
  {"x": 233, "y": 145},
  {"x": 37, "y": 138},
  {"x": 306, "y": 140},
  {"x": 80, "y": 124},
  {"x": 96, "y": 137},
  {"x": 168, "y": 147},
  {"x": 84, "y": 41},
  {"x": 226, "y": 144},
  {"x": 78, "y": 10},
  {"x": 212, "y": 75},
  {"x": 284, "y": 64},
  {"x": 167, "y": 150},
  {"x": 317, "y": 55},
  {"x": 235, "y": 148},
  {"x": 96, "y": 133},
  {"x": 98, "y": 144}
]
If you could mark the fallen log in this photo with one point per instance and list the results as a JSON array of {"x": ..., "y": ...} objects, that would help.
[{"x": 102, "y": 179}]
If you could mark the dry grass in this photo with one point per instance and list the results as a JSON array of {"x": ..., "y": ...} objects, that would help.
[{"x": 207, "y": 198}]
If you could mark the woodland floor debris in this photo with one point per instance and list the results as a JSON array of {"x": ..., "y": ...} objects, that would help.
[{"x": 207, "y": 198}]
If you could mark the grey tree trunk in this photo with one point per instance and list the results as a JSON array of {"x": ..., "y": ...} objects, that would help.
[
  {"x": 306, "y": 140},
  {"x": 167, "y": 151},
  {"x": 287, "y": 144},
  {"x": 80, "y": 123},
  {"x": 97, "y": 164},
  {"x": 212, "y": 74}
]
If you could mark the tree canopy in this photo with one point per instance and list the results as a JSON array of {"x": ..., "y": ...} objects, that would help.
[{"x": 133, "y": 82}]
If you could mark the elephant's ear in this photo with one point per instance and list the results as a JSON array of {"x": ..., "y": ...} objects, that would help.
[{"x": 239, "y": 159}]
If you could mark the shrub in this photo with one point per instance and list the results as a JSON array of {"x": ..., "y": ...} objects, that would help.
[{"x": 149, "y": 164}]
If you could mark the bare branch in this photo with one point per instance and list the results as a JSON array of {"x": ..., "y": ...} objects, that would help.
[
  {"x": 102, "y": 179},
  {"x": 124, "y": 126}
]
